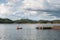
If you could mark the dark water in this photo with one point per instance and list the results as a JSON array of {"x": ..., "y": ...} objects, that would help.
[{"x": 9, "y": 32}]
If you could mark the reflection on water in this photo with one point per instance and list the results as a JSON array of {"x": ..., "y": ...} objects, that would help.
[{"x": 9, "y": 32}]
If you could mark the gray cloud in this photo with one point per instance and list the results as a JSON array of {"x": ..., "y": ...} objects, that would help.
[{"x": 43, "y": 10}]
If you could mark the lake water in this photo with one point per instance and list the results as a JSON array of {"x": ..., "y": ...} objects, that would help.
[{"x": 9, "y": 32}]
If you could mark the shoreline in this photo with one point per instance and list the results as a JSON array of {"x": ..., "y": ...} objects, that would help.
[
  {"x": 46, "y": 28},
  {"x": 29, "y": 23}
]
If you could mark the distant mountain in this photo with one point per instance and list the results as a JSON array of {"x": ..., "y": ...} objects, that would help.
[{"x": 6, "y": 20}]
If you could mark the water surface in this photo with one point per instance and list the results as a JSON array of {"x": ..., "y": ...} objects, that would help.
[{"x": 9, "y": 32}]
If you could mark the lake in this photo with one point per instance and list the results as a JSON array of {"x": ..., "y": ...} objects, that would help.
[{"x": 9, "y": 32}]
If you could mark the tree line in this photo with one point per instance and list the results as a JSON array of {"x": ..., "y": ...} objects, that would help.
[{"x": 6, "y": 20}]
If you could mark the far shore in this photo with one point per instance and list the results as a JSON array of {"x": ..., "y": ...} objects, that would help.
[{"x": 29, "y": 23}]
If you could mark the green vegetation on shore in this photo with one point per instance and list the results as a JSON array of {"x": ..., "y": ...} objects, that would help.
[{"x": 6, "y": 20}]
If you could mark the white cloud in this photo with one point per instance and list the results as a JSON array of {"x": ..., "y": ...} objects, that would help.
[
  {"x": 42, "y": 4},
  {"x": 28, "y": 13},
  {"x": 15, "y": 9},
  {"x": 4, "y": 9}
]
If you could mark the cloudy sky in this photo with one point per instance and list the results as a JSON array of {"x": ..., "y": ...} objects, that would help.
[{"x": 31, "y": 9}]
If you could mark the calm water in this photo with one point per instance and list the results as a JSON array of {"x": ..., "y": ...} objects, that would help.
[{"x": 9, "y": 32}]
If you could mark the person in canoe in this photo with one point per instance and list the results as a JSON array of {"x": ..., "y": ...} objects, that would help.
[{"x": 19, "y": 27}]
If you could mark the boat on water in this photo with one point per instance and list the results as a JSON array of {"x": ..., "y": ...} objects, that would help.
[
  {"x": 19, "y": 28},
  {"x": 43, "y": 28}
]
